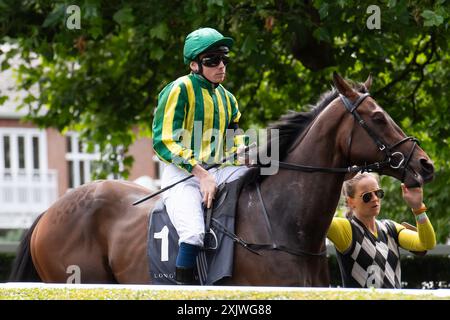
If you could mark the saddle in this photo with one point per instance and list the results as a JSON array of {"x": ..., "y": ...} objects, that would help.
[{"x": 215, "y": 260}]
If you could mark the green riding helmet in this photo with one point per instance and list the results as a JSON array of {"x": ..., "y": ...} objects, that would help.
[{"x": 201, "y": 40}]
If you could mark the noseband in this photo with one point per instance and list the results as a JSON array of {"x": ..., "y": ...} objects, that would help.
[{"x": 396, "y": 160}]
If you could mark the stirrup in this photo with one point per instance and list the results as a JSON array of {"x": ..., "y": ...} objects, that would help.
[{"x": 210, "y": 240}]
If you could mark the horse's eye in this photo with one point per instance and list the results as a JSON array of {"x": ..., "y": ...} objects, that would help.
[{"x": 379, "y": 117}]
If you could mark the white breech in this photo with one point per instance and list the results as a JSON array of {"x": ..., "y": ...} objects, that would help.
[{"x": 184, "y": 201}]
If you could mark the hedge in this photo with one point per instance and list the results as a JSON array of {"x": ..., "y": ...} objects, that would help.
[{"x": 432, "y": 271}]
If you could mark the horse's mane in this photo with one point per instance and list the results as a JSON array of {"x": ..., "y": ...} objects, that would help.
[{"x": 292, "y": 124}]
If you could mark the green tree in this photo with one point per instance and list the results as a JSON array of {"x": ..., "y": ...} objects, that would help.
[{"x": 103, "y": 78}]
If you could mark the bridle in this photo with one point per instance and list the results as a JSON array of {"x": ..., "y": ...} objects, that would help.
[{"x": 395, "y": 159}]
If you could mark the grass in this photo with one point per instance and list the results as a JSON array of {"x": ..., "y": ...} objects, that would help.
[{"x": 129, "y": 294}]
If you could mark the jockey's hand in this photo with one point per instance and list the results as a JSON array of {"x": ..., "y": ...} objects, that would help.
[
  {"x": 413, "y": 196},
  {"x": 208, "y": 185}
]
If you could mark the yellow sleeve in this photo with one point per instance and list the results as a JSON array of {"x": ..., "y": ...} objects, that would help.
[
  {"x": 168, "y": 131},
  {"x": 340, "y": 233},
  {"x": 422, "y": 239}
]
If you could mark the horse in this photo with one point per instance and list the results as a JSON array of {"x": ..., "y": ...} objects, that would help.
[{"x": 96, "y": 228}]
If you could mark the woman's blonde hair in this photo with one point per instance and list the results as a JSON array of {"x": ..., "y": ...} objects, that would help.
[{"x": 348, "y": 189}]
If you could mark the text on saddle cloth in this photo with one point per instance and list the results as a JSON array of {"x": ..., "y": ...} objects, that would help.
[{"x": 212, "y": 265}]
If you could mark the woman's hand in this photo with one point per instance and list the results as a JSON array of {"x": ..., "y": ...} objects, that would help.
[{"x": 413, "y": 196}]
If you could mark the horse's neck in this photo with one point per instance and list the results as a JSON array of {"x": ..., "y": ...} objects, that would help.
[{"x": 308, "y": 200}]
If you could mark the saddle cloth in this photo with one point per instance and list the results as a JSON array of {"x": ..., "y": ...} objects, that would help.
[{"x": 215, "y": 260}]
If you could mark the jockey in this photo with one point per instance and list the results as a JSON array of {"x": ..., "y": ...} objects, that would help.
[
  {"x": 191, "y": 128},
  {"x": 367, "y": 249}
]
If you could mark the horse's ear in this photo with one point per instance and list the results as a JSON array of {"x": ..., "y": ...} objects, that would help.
[
  {"x": 342, "y": 86},
  {"x": 368, "y": 82}
]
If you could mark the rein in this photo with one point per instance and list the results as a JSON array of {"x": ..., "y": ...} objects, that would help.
[
  {"x": 254, "y": 247},
  {"x": 274, "y": 245}
]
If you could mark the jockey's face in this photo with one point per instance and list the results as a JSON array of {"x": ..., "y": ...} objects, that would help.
[
  {"x": 214, "y": 67},
  {"x": 215, "y": 74}
]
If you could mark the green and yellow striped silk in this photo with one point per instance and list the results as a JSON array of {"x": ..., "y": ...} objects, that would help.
[{"x": 190, "y": 122}]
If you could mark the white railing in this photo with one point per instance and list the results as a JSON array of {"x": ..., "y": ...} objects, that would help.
[{"x": 24, "y": 195}]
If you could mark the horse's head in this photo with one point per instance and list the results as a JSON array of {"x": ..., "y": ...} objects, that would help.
[{"x": 374, "y": 137}]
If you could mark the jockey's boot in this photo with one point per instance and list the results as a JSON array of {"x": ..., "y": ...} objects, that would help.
[
  {"x": 184, "y": 276},
  {"x": 185, "y": 264}
]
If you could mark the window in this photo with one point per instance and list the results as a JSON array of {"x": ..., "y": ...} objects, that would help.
[
  {"x": 82, "y": 173},
  {"x": 80, "y": 162},
  {"x": 7, "y": 152},
  {"x": 70, "y": 174},
  {"x": 22, "y": 151},
  {"x": 69, "y": 144},
  {"x": 36, "y": 153},
  {"x": 21, "y": 147}
]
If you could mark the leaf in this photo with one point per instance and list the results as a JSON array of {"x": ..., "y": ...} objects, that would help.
[
  {"x": 5, "y": 65},
  {"x": 342, "y": 3},
  {"x": 392, "y": 3},
  {"x": 317, "y": 4},
  {"x": 55, "y": 17},
  {"x": 3, "y": 99},
  {"x": 443, "y": 43},
  {"x": 249, "y": 44},
  {"x": 421, "y": 58},
  {"x": 95, "y": 31},
  {"x": 215, "y": 2},
  {"x": 3, "y": 5},
  {"x": 156, "y": 53},
  {"x": 441, "y": 11},
  {"x": 323, "y": 11},
  {"x": 432, "y": 19},
  {"x": 322, "y": 34},
  {"x": 124, "y": 16},
  {"x": 128, "y": 161},
  {"x": 160, "y": 31}
]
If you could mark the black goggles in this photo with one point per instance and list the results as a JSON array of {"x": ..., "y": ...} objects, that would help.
[
  {"x": 366, "y": 197},
  {"x": 214, "y": 61}
]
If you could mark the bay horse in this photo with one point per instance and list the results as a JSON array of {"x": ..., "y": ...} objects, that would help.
[{"x": 96, "y": 228}]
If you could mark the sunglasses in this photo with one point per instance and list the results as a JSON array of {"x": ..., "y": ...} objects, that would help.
[
  {"x": 366, "y": 197},
  {"x": 214, "y": 61}
]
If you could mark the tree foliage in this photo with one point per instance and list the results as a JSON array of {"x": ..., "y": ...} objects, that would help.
[{"x": 103, "y": 79}]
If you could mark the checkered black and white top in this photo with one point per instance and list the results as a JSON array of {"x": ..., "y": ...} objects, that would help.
[{"x": 371, "y": 261}]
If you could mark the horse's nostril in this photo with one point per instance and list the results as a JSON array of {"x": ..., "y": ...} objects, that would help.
[{"x": 427, "y": 166}]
